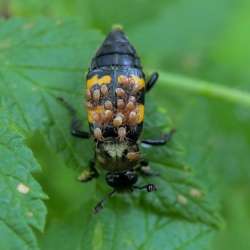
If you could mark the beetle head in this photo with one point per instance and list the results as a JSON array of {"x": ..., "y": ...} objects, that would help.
[{"x": 122, "y": 180}]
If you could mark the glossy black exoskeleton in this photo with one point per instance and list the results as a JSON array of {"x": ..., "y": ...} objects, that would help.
[{"x": 115, "y": 94}]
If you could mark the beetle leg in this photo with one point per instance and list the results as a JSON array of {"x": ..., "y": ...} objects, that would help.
[
  {"x": 90, "y": 173},
  {"x": 99, "y": 206},
  {"x": 149, "y": 187},
  {"x": 161, "y": 141},
  {"x": 145, "y": 170},
  {"x": 152, "y": 80},
  {"x": 75, "y": 122}
]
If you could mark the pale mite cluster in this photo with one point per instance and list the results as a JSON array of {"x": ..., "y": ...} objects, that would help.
[{"x": 119, "y": 114}]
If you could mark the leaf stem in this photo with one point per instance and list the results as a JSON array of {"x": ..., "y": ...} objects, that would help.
[{"x": 203, "y": 88}]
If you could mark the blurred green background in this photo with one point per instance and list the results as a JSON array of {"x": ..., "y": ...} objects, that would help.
[{"x": 208, "y": 40}]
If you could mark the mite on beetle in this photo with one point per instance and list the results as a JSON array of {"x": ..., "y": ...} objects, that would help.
[{"x": 115, "y": 95}]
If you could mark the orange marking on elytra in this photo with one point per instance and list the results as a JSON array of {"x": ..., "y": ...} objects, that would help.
[
  {"x": 137, "y": 81},
  {"x": 140, "y": 113},
  {"x": 100, "y": 81},
  {"x": 123, "y": 79},
  {"x": 132, "y": 79},
  {"x": 137, "y": 115},
  {"x": 92, "y": 113}
]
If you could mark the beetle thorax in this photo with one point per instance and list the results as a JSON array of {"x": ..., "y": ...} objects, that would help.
[{"x": 116, "y": 155}]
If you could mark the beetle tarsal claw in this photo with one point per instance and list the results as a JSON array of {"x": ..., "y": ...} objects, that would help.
[{"x": 149, "y": 187}]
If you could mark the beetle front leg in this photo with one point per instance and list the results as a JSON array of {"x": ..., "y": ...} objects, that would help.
[{"x": 161, "y": 141}]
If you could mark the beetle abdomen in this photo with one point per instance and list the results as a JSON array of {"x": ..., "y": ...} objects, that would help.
[
  {"x": 115, "y": 90},
  {"x": 116, "y": 50}
]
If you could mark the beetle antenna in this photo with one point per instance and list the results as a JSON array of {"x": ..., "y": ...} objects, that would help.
[
  {"x": 99, "y": 206},
  {"x": 148, "y": 187}
]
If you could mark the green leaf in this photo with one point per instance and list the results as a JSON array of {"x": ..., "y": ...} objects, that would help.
[
  {"x": 203, "y": 39},
  {"x": 92, "y": 13},
  {"x": 205, "y": 88},
  {"x": 43, "y": 60},
  {"x": 207, "y": 40},
  {"x": 21, "y": 196}
]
